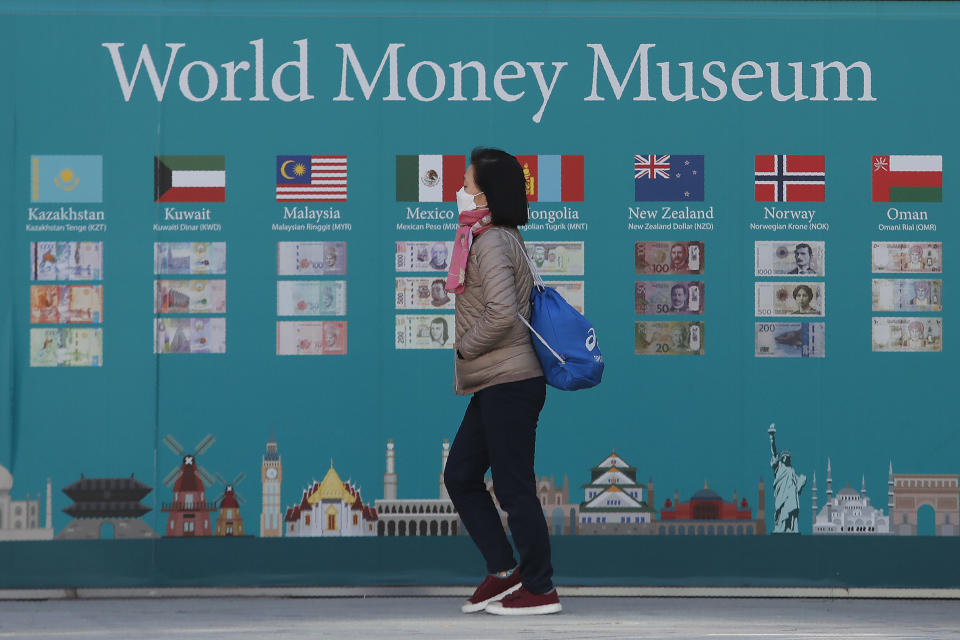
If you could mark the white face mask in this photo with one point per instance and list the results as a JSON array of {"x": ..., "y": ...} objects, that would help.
[{"x": 465, "y": 201}]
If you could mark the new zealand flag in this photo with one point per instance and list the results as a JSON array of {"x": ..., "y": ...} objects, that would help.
[{"x": 668, "y": 178}]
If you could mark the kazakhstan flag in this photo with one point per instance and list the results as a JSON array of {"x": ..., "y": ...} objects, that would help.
[{"x": 66, "y": 178}]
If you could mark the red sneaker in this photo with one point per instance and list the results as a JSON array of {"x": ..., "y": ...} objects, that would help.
[
  {"x": 523, "y": 603},
  {"x": 490, "y": 590}
]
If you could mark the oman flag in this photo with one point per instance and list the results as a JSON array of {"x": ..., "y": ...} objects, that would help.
[
  {"x": 908, "y": 178},
  {"x": 189, "y": 179},
  {"x": 429, "y": 178},
  {"x": 553, "y": 178}
]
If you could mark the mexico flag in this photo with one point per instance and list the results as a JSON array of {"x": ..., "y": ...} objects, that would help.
[
  {"x": 908, "y": 178},
  {"x": 553, "y": 178},
  {"x": 189, "y": 179},
  {"x": 429, "y": 178}
]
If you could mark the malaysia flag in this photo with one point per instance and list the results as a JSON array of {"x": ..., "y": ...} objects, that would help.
[
  {"x": 311, "y": 178},
  {"x": 789, "y": 178}
]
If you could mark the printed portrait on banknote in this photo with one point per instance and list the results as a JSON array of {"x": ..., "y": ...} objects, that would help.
[{"x": 656, "y": 256}]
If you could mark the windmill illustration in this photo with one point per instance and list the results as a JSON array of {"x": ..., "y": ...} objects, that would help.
[
  {"x": 190, "y": 510},
  {"x": 229, "y": 520}
]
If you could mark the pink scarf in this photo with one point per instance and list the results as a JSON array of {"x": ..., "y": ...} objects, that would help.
[{"x": 472, "y": 223}]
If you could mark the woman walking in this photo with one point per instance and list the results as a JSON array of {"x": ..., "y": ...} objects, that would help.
[{"x": 496, "y": 363}]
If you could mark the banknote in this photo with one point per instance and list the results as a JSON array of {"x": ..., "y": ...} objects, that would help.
[
  {"x": 907, "y": 334},
  {"x": 189, "y": 258},
  {"x": 668, "y": 338},
  {"x": 424, "y": 332},
  {"x": 64, "y": 304},
  {"x": 190, "y": 296},
  {"x": 571, "y": 290},
  {"x": 907, "y": 257},
  {"x": 557, "y": 258},
  {"x": 789, "y": 298},
  {"x": 72, "y": 347},
  {"x": 775, "y": 258},
  {"x": 423, "y": 293},
  {"x": 668, "y": 296},
  {"x": 66, "y": 261},
  {"x": 190, "y": 335},
  {"x": 311, "y": 258},
  {"x": 907, "y": 295},
  {"x": 423, "y": 255},
  {"x": 316, "y": 338},
  {"x": 312, "y": 298},
  {"x": 654, "y": 256},
  {"x": 789, "y": 340}
]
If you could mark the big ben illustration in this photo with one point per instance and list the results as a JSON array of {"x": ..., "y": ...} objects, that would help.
[{"x": 271, "y": 475}]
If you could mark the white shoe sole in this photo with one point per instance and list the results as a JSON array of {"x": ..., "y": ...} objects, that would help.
[
  {"x": 470, "y": 607},
  {"x": 498, "y": 609}
]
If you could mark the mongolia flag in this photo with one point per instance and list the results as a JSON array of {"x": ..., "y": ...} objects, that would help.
[
  {"x": 908, "y": 178},
  {"x": 429, "y": 178},
  {"x": 189, "y": 179},
  {"x": 311, "y": 178},
  {"x": 789, "y": 178},
  {"x": 668, "y": 178},
  {"x": 66, "y": 179},
  {"x": 553, "y": 178}
]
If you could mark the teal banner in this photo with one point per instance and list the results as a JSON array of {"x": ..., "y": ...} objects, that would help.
[{"x": 226, "y": 233}]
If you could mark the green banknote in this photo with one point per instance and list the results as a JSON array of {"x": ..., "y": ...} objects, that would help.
[
  {"x": 66, "y": 347},
  {"x": 668, "y": 338}
]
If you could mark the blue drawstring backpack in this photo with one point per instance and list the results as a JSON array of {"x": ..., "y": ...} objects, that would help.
[{"x": 565, "y": 341}]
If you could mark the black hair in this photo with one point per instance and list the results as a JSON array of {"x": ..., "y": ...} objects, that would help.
[
  {"x": 800, "y": 288},
  {"x": 804, "y": 245},
  {"x": 500, "y": 177},
  {"x": 446, "y": 328}
]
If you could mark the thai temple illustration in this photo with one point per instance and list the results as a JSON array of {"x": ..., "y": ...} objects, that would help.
[
  {"x": 229, "y": 520},
  {"x": 107, "y": 508},
  {"x": 415, "y": 516},
  {"x": 707, "y": 513},
  {"x": 271, "y": 481},
  {"x": 614, "y": 503},
  {"x": 20, "y": 519},
  {"x": 849, "y": 512},
  {"x": 190, "y": 510},
  {"x": 330, "y": 507}
]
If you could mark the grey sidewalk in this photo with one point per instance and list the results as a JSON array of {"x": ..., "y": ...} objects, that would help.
[{"x": 424, "y": 617}]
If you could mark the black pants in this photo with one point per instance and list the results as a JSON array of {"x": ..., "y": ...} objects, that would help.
[{"x": 499, "y": 432}]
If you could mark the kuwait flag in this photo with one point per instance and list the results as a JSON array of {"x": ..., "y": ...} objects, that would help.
[
  {"x": 908, "y": 178},
  {"x": 311, "y": 178},
  {"x": 189, "y": 179},
  {"x": 429, "y": 178},
  {"x": 553, "y": 178}
]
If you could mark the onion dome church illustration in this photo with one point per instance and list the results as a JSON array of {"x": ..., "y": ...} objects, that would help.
[{"x": 330, "y": 507}]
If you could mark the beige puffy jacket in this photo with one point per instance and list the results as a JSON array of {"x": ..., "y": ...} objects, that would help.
[{"x": 494, "y": 343}]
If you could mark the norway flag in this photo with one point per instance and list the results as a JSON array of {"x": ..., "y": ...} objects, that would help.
[{"x": 789, "y": 178}]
